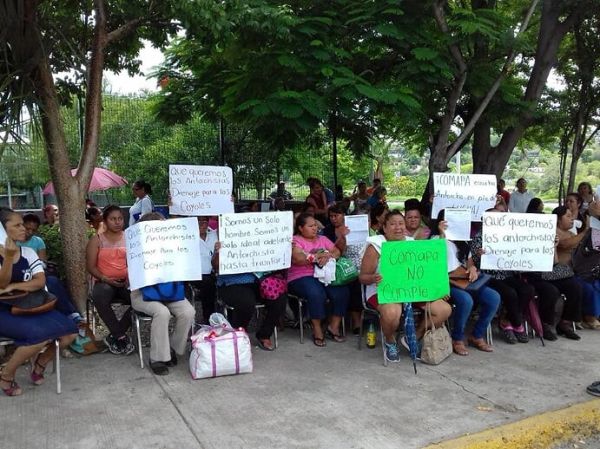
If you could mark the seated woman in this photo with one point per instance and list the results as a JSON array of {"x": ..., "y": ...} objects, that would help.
[
  {"x": 376, "y": 217},
  {"x": 317, "y": 199},
  {"x": 107, "y": 262},
  {"x": 514, "y": 293},
  {"x": 415, "y": 227},
  {"x": 393, "y": 230},
  {"x": 562, "y": 275},
  {"x": 360, "y": 198},
  {"x": 535, "y": 206},
  {"x": 20, "y": 269},
  {"x": 164, "y": 349},
  {"x": 309, "y": 250},
  {"x": 241, "y": 293},
  {"x": 573, "y": 201},
  {"x": 461, "y": 262}
]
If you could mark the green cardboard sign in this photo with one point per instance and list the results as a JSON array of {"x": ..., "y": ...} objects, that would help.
[{"x": 413, "y": 271}]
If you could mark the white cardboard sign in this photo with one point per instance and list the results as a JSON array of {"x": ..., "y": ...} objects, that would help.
[
  {"x": 518, "y": 242},
  {"x": 459, "y": 224},
  {"x": 474, "y": 192},
  {"x": 255, "y": 242},
  {"x": 163, "y": 251},
  {"x": 359, "y": 229},
  {"x": 3, "y": 235},
  {"x": 200, "y": 190}
]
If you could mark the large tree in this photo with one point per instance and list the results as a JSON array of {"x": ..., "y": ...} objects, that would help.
[{"x": 40, "y": 40}]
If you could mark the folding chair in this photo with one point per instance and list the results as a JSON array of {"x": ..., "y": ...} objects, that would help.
[{"x": 4, "y": 341}]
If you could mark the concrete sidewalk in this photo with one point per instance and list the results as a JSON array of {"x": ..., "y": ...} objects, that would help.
[{"x": 299, "y": 396}]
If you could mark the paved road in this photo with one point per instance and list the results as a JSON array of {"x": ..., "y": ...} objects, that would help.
[{"x": 300, "y": 396}]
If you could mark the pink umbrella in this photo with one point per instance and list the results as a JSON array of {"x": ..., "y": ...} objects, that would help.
[{"x": 102, "y": 179}]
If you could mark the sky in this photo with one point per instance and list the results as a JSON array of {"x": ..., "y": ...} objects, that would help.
[{"x": 124, "y": 84}]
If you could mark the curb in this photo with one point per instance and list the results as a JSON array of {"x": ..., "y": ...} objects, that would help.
[{"x": 537, "y": 432}]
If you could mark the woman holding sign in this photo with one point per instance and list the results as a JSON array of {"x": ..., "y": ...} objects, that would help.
[
  {"x": 461, "y": 265},
  {"x": 310, "y": 252},
  {"x": 394, "y": 229}
]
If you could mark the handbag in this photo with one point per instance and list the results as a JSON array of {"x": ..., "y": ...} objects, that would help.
[
  {"x": 165, "y": 291},
  {"x": 461, "y": 281},
  {"x": 272, "y": 286},
  {"x": 29, "y": 303},
  {"x": 345, "y": 271},
  {"x": 220, "y": 350},
  {"x": 586, "y": 259},
  {"x": 437, "y": 344},
  {"x": 559, "y": 271}
]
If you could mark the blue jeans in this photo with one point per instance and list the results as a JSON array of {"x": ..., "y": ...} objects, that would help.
[
  {"x": 489, "y": 301},
  {"x": 316, "y": 294},
  {"x": 591, "y": 297}
]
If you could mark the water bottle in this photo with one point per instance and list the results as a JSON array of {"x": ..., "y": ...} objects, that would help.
[{"x": 371, "y": 336}]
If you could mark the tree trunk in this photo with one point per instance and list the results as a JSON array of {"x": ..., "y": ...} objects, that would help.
[{"x": 71, "y": 198}]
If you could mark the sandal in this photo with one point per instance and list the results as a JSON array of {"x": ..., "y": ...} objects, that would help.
[
  {"x": 480, "y": 344},
  {"x": 13, "y": 389},
  {"x": 320, "y": 342},
  {"x": 265, "y": 344},
  {"x": 335, "y": 337},
  {"x": 458, "y": 347},
  {"x": 37, "y": 378}
]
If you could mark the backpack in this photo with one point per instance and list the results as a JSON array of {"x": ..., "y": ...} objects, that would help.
[{"x": 165, "y": 291}]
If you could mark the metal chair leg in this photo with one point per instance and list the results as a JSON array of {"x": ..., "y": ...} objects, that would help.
[
  {"x": 57, "y": 366},
  {"x": 301, "y": 320},
  {"x": 362, "y": 325},
  {"x": 136, "y": 320}
]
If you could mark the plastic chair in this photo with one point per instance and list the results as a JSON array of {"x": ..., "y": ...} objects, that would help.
[{"x": 4, "y": 341}]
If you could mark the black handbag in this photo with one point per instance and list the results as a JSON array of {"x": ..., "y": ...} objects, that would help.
[
  {"x": 28, "y": 303},
  {"x": 586, "y": 259}
]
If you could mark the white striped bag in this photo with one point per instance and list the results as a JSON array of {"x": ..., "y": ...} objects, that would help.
[{"x": 220, "y": 351}]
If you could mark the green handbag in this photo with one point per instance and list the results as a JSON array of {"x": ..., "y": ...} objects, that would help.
[{"x": 345, "y": 271}]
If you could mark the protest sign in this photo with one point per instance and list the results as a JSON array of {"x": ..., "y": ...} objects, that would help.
[
  {"x": 200, "y": 190},
  {"x": 163, "y": 251},
  {"x": 518, "y": 242},
  {"x": 474, "y": 192},
  {"x": 413, "y": 271},
  {"x": 359, "y": 229},
  {"x": 459, "y": 224},
  {"x": 255, "y": 242}
]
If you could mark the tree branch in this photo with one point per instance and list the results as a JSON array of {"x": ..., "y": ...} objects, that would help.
[
  {"x": 124, "y": 30},
  {"x": 93, "y": 99},
  {"x": 496, "y": 85}
]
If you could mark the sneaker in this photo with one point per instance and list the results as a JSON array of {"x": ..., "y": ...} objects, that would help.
[
  {"x": 509, "y": 336},
  {"x": 520, "y": 334},
  {"x": 125, "y": 345},
  {"x": 112, "y": 345},
  {"x": 391, "y": 352},
  {"x": 594, "y": 388}
]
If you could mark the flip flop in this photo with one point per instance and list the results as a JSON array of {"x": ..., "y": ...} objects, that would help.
[
  {"x": 320, "y": 342},
  {"x": 335, "y": 337},
  {"x": 265, "y": 345}
]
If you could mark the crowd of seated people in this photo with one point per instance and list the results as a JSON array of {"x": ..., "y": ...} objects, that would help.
[{"x": 565, "y": 301}]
